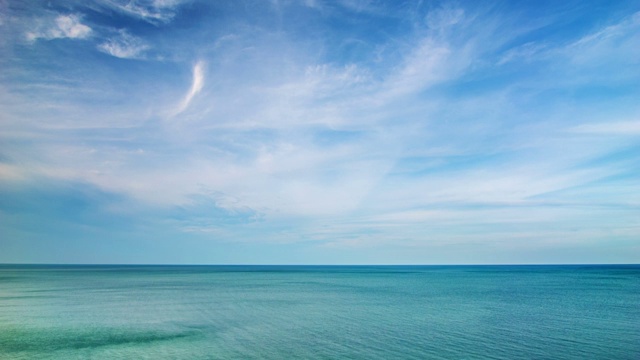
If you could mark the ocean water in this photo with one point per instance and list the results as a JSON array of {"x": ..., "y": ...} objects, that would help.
[{"x": 318, "y": 312}]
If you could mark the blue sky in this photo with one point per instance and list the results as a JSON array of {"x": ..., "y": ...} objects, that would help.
[{"x": 320, "y": 132}]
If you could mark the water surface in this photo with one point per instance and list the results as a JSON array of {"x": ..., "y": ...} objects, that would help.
[{"x": 320, "y": 312}]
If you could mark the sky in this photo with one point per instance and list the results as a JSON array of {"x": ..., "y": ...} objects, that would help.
[{"x": 319, "y": 132}]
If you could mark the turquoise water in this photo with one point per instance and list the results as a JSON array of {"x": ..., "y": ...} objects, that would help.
[{"x": 360, "y": 312}]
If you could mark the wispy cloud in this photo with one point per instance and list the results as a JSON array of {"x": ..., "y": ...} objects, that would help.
[
  {"x": 434, "y": 127},
  {"x": 631, "y": 128},
  {"x": 530, "y": 51},
  {"x": 444, "y": 17},
  {"x": 124, "y": 45},
  {"x": 11, "y": 173},
  {"x": 63, "y": 26},
  {"x": 4, "y": 5},
  {"x": 611, "y": 32},
  {"x": 197, "y": 83},
  {"x": 617, "y": 44},
  {"x": 154, "y": 11}
]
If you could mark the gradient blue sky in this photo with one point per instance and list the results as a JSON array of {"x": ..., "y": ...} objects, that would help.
[{"x": 320, "y": 132}]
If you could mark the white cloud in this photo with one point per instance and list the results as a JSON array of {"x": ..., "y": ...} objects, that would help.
[
  {"x": 526, "y": 52},
  {"x": 64, "y": 26},
  {"x": 429, "y": 63},
  {"x": 155, "y": 11},
  {"x": 365, "y": 6},
  {"x": 612, "y": 128},
  {"x": 4, "y": 9},
  {"x": 616, "y": 45},
  {"x": 253, "y": 138},
  {"x": 312, "y": 4},
  {"x": 610, "y": 32},
  {"x": 11, "y": 173},
  {"x": 125, "y": 46},
  {"x": 196, "y": 85},
  {"x": 444, "y": 18}
]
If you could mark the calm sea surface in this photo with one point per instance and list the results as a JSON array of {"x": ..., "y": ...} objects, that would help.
[{"x": 317, "y": 312}]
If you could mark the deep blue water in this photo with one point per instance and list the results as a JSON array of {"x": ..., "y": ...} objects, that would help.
[{"x": 320, "y": 312}]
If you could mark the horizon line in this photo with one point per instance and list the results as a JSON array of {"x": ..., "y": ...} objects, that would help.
[{"x": 320, "y": 265}]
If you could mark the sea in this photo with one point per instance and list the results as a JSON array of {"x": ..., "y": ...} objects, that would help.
[{"x": 319, "y": 312}]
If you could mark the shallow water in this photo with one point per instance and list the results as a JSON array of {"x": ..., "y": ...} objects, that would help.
[{"x": 357, "y": 312}]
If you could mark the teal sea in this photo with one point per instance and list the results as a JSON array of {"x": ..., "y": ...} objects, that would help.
[{"x": 319, "y": 312}]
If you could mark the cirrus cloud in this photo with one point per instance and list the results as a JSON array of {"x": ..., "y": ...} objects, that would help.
[
  {"x": 124, "y": 46},
  {"x": 63, "y": 26}
]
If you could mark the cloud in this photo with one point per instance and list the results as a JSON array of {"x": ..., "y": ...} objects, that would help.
[
  {"x": 64, "y": 26},
  {"x": 10, "y": 172},
  {"x": 430, "y": 143},
  {"x": 196, "y": 85},
  {"x": 631, "y": 128},
  {"x": 125, "y": 46},
  {"x": 622, "y": 29},
  {"x": 444, "y": 17},
  {"x": 617, "y": 45},
  {"x": 361, "y": 6},
  {"x": 4, "y": 7},
  {"x": 154, "y": 11},
  {"x": 525, "y": 53},
  {"x": 427, "y": 64}
]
